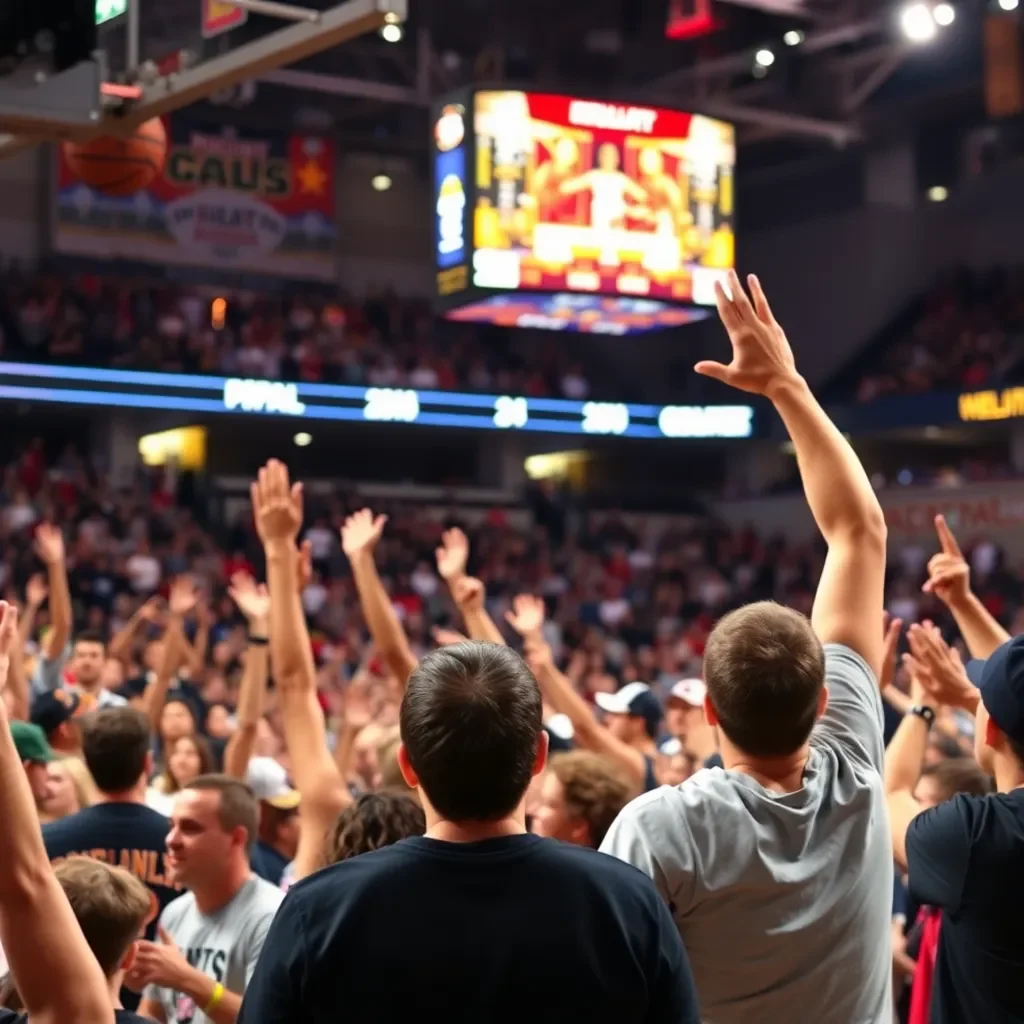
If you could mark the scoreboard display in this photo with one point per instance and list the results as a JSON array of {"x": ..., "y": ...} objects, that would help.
[{"x": 567, "y": 213}]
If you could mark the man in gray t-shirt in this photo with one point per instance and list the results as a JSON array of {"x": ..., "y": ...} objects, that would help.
[
  {"x": 775, "y": 894},
  {"x": 224, "y": 945},
  {"x": 778, "y": 867},
  {"x": 211, "y": 937}
]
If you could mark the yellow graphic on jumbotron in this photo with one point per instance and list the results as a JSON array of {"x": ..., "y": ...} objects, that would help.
[{"x": 985, "y": 406}]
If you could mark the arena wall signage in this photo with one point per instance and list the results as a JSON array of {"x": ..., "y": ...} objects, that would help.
[
  {"x": 132, "y": 389},
  {"x": 985, "y": 406},
  {"x": 258, "y": 203}
]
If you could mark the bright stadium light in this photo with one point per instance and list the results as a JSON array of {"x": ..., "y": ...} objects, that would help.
[
  {"x": 938, "y": 193},
  {"x": 944, "y": 14},
  {"x": 391, "y": 33},
  {"x": 302, "y": 439},
  {"x": 764, "y": 57},
  {"x": 918, "y": 23},
  {"x": 1008, "y": 5},
  {"x": 380, "y": 182},
  {"x": 794, "y": 37}
]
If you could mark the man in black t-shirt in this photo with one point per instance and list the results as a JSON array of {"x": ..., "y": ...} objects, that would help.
[
  {"x": 477, "y": 920},
  {"x": 120, "y": 829},
  {"x": 966, "y": 856}
]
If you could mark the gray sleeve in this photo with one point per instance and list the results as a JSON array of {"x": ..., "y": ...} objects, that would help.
[
  {"x": 254, "y": 943},
  {"x": 48, "y": 673},
  {"x": 853, "y": 719},
  {"x": 653, "y": 839}
]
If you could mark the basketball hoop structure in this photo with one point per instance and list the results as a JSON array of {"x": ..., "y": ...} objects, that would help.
[{"x": 80, "y": 103}]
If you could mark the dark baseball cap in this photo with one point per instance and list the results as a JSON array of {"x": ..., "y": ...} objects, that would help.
[
  {"x": 636, "y": 699},
  {"x": 30, "y": 742},
  {"x": 52, "y": 709},
  {"x": 1000, "y": 680}
]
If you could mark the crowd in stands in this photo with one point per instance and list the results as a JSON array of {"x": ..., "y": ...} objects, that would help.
[
  {"x": 382, "y": 341},
  {"x": 715, "y": 705},
  {"x": 968, "y": 333}
]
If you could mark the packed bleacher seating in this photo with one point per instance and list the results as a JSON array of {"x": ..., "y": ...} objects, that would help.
[
  {"x": 967, "y": 333},
  {"x": 381, "y": 341}
]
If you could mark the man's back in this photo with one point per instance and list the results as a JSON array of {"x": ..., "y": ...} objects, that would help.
[
  {"x": 511, "y": 928},
  {"x": 783, "y": 900},
  {"x": 966, "y": 857}
]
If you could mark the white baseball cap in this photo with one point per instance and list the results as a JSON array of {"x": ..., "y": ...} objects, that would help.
[
  {"x": 269, "y": 781},
  {"x": 690, "y": 691}
]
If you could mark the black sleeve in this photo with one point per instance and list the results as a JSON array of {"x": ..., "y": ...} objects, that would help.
[
  {"x": 273, "y": 995},
  {"x": 938, "y": 853},
  {"x": 673, "y": 994}
]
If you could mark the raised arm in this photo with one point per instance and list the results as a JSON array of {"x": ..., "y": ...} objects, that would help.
[
  {"x": 121, "y": 644},
  {"x": 359, "y": 538},
  {"x": 840, "y": 496},
  {"x": 469, "y": 596},
  {"x": 905, "y": 754},
  {"x": 949, "y": 578},
  {"x": 54, "y": 970},
  {"x": 50, "y": 548},
  {"x": 527, "y": 618},
  {"x": 277, "y": 505},
  {"x": 182, "y": 601},
  {"x": 254, "y": 603}
]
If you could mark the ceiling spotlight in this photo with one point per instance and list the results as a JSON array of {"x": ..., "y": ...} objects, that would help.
[
  {"x": 944, "y": 14},
  {"x": 391, "y": 33},
  {"x": 381, "y": 182},
  {"x": 303, "y": 440},
  {"x": 917, "y": 22},
  {"x": 794, "y": 37},
  {"x": 938, "y": 193},
  {"x": 1008, "y": 5},
  {"x": 764, "y": 57}
]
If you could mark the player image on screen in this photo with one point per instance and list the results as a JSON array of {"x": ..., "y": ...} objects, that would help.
[{"x": 582, "y": 196}]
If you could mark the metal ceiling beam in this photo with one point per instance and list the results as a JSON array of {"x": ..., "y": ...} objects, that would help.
[
  {"x": 338, "y": 85},
  {"x": 871, "y": 82},
  {"x": 837, "y": 132},
  {"x": 734, "y": 63}
]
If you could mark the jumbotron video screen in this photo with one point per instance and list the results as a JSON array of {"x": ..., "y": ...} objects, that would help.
[{"x": 568, "y": 213}]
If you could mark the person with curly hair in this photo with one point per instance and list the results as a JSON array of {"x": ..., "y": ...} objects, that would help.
[{"x": 375, "y": 820}]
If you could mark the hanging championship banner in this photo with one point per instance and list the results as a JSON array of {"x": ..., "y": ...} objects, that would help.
[{"x": 246, "y": 202}]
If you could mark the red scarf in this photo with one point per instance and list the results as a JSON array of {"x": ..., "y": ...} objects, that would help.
[{"x": 921, "y": 990}]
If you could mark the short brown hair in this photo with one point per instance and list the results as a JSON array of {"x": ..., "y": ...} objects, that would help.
[
  {"x": 959, "y": 775},
  {"x": 471, "y": 718},
  {"x": 765, "y": 669},
  {"x": 238, "y": 805},
  {"x": 110, "y": 905},
  {"x": 115, "y": 744},
  {"x": 595, "y": 789}
]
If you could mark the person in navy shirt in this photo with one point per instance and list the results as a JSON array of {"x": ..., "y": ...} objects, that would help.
[{"x": 477, "y": 920}]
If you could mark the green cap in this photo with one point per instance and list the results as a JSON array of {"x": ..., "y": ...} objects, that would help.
[{"x": 31, "y": 743}]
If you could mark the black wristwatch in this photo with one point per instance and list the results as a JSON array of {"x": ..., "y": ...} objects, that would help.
[
  {"x": 262, "y": 641},
  {"x": 925, "y": 712}
]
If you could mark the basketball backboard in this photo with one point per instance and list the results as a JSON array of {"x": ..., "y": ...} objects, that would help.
[{"x": 155, "y": 56}]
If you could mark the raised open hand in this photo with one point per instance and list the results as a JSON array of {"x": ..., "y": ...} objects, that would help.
[
  {"x": 942, "y": 672},
  {"x": 50, "y": 543},
  {"x": 8, "y": 634},
  {"x": 452, "y": 555},
  {"x": 276, "y": 505},
  {"x": 949, "y": 575},
  {"x": 184, "y": 596},
  {"x": 761, "y": 356},
  {"x": 361, "y": 532},
  {"x": 252, "y": 598},
  {"x": 892, "y": 629},
  {"x": 444, "y": 637},
  {"x": 469, "y": 594},
  {"x": 527, "y": 615},
  {"x": 36, "y": 590}
]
